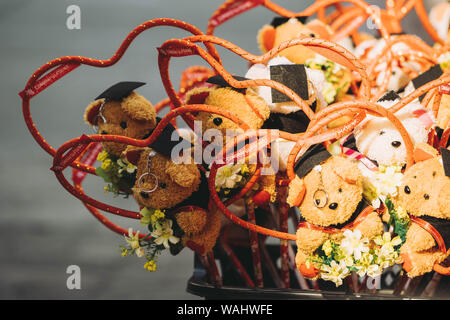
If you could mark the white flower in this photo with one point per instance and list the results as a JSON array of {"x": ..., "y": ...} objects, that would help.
[
  {"x": 228, "y": 176},
  {"x": 125, "y": 165},
  {"x": 387, "y": 180},
  {"x": 374, "y": 270},
  {"x": 132, "y": 240},
  {"x": 140, "y": 252},
  {"x": 163, "y": 233},
  {"x": 353, "y": 244},
  {"x": 335, "y": 272}
]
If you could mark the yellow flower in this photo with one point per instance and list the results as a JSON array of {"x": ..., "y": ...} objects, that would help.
[
  {"x": 386, "y": 240},
  {"x": 402, "y": 213},
  {"x": 102, "y": 156},
  {"x": 106, "y": 164},
  {"x": 327, "y": 248},
  {"x": 150, "y": 265},
  {"x": 329, "y": 92}
]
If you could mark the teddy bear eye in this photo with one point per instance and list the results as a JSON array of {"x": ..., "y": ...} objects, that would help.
[
  {"x": 217, "y": 121},
  {"x": 312, "y": 35},
  {"x": 407, "y": 190},
  {"x": 382, "y": 132},
  {"x": 123, "y": 124},
  {"x": 340, "y": 190},
  {"x": 163, "y": 185}
]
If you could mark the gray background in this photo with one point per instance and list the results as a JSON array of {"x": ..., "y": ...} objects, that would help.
[{"x": 44, "y": 229}]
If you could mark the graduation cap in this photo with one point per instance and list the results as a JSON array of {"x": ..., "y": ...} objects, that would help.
[
  {"x": 164, "y": 143},
  {"x": 446, "y": 161},
  {"x": 277, "y": 21},
  {"x": 389, "y": 96},
  {"x": 292, "y": 76},
  {"x": 120, "y": 90},
  {"x": 220, "y": 81},
  {"x": 312, "y": 157},
  {"x": 431, "y": 74},
  {"x": 294, "y": 122}
]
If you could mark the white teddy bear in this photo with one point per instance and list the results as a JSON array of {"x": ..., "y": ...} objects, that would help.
[{"x": 379, "y": 140}]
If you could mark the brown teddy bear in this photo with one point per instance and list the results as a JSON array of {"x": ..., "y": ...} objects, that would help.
[
  {"x": 119, "y": 110},
  {"x": 425, "y": 196},
  {"x": 328, "y": 190},
  {"x": 181, "y": 191},
  {"x": 248, "y": 106}
]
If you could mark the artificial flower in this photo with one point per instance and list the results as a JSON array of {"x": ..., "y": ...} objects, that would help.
[
  {"x": 163, "y": 234},
  {"x": 387, "y": 180},
  {"x": 353, "y": 244},
  {"x": 228, "y": 176},
  {"x": 334, "y": 272},
  {"x": 126, "y": 166},
  {"x": 150, "y": 265},
  {"x": 132, "y": 240}
]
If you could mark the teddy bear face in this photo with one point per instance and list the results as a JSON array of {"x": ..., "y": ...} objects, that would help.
[
  {"x": 249, "y": 107},
  {"x": 425, "y": 190},
  {"x": 161, "y": 183},
  {"x": 132, "y": 117},
  {"x": 333, "y": 194},
  {"x": 379, "y": 140}
]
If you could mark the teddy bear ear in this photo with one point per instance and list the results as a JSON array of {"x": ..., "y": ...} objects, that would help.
[
  {"x": 185, "y": 175},
  {"x": 133, "y": 154},
  {"x": 92, "y": 112},
  {"x": 423, "y": 151},
  {"x": 296, "y": 192},
  {"x": 266, "y": 38},
  {"x": 197, "y": 95},
  {"x": 346, "y": 169},
  {"x": 138, "y": 108}
]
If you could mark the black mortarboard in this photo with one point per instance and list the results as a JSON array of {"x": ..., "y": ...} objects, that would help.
[
  {"x": 120, "y": 90},
  {"x": 446, "y": 161},
  {"x": 294, "y": 122},
  {"x": 277, "y": 21},
  {"x": 314, "y": 156},
  {"x": 389, "y": 96},
  {"x": 431, "y": 74},
  {"x": 164, "y": 143},
  {"x": 220, "y": 81},
  {"x": 292, "y": 76}
]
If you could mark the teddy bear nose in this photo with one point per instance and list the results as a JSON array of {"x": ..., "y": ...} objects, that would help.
[
  {"x": 333, "y": 206},
  {"x": 144, "y": 195},
  {"x": 396, "y": 144},
  {"x": 426, "y": 196}
]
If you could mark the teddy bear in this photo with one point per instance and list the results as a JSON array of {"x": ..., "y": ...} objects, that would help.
[
  {"x": 180, "y": 190},
  {"x": 379, "y": 140},
  {"x": 425, "y": 196},
  {"x": 119, "y": 110},
  {"x": 328, "y": 190},
  {"x": 250, "y": 108}
]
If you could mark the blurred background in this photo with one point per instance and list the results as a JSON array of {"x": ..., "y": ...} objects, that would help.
[{"x": 43, "y": 229}]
